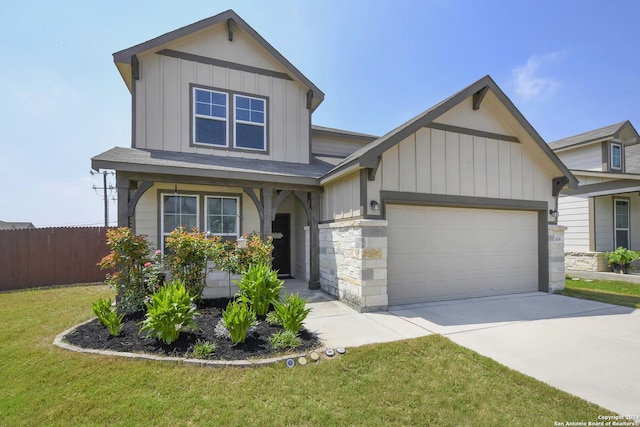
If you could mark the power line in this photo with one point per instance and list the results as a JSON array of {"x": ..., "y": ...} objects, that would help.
[{"x": 107, "y": 190}]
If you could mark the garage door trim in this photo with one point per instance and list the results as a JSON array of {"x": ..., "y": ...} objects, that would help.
[{"x": 541, "y": 207}]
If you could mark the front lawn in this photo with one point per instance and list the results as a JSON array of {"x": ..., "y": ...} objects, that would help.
[
  {"x": 608, "y": 291},
  {"x": 426, "y": 381}
]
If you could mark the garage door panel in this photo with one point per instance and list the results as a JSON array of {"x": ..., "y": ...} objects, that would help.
[{"x": 438, "y": 253}]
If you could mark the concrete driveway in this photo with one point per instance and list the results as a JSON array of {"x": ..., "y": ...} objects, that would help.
[{"x": 589, "y": 349}]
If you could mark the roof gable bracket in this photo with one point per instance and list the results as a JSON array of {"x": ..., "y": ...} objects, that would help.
[
  {"x": 371, "y": 172},
  {"x": 230, "y": 28},
  {"x": 478, "y": 97},
  {"x": 558, "y": 184},
  {"x": 309, "y": 98},
  {"x": 135, "y": 68}
]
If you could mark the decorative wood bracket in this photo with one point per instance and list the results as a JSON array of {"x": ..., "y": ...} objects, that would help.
[
  {"x": 230, "y": 28},
  {"x": 309, "y": 98},
  {"x": 282, "y": 194},
  {"x": 133, "y": 201},
  {"x": 371, "y": 172},
  {"x": 557, "y": 184},
  {"x": 135, "y": 68},
  {"x": 256, "y": 201},
  {"x": 478, "y": 97}
]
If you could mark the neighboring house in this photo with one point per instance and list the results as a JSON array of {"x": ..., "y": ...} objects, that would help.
[
  {"x": 5, "y": 225},
  {"x": 454, "y": 203},
  {"x": 604, "y": 211}
]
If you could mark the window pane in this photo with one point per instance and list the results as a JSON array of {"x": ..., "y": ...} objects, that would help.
[
  {"x": 214, "y": 206},
  {"x": 211, "y": 132},
  {"x": 622, "y": 214},
  {"x": 242, "y": 102},
  {"x": 229, "y": 224},
  {"x": 189, "y": 205},
  {"x": 622, "y": 238},
  {"x": 229, "y": 206},
  {"x": 214, "y": 224},
  {"x": 169, "y": 223},
  {"x": 242, "y": 115},
  {"x": 203, "y": 96},
  {"x": 257, "y": 105},
  {"x": 169, "y": 204},
  {"x": 250, "y": 136},
  {"x": 219, "y": 98},
  {"x": 189, "y": 222},
  {"x": 257, "y": 117},
  {"x": 203, "y": 109},
  {"x": 218, "y": 111}
]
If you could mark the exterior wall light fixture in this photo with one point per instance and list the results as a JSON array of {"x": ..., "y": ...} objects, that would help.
[
  {"x": 375, "y": 206},
  {"x": 554, "y": 213}
]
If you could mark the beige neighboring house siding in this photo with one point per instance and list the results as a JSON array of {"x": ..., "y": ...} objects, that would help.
[
  {"x": 341, "y": 199},
  {"x": 148, "y": 208},
  {"x": 441, "y": 162},
  {"x": 583, "y": 158},
  {"x": 574, "y": 214},
  {"x": 163, "y": 97},
  {"x": 604, "y": 222}
]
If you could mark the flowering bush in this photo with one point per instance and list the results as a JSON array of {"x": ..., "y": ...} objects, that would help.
[
  {"x": 187, "y": 258},
  {"x": 153, "y": 272},
  {"x": 129, "y": 254},
  {"x": 227, "y": 257}
]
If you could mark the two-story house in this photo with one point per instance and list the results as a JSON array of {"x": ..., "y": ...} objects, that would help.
[
  {"x": 454, "y": 203},
  {"x": 603, "y": 213}
]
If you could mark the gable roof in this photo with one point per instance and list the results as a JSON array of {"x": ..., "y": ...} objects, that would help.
[
  {"x": 123, "y": 57},
  {"x": 8, "y": 225},
  {"x": 603, "y": 133},
  {"x": 368, "y": 155}
]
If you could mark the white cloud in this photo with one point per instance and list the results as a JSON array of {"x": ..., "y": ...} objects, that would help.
[{"x": 530, "y": 83}]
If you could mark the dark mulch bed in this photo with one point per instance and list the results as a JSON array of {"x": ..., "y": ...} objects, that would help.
[{"x": 96, "y": 336}]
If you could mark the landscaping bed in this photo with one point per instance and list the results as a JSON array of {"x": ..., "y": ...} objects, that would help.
[{"x": 94, "y": 335}]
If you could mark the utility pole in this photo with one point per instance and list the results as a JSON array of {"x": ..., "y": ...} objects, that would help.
[{"x": 105, "y": 196}]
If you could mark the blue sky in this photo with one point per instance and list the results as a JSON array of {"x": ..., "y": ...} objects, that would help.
[{"x": 569, "y": 66}]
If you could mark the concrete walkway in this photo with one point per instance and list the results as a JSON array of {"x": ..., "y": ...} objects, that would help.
[{"x": 587, "y": 348}]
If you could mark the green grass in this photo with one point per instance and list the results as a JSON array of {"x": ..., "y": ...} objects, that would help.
[
  {"x": 608, "y": 291},
  {"x": 426, "y": 381}
]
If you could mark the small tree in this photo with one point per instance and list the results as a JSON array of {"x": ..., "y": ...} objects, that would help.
[
  {"x": 129, "y": 254},
  {"x": 187, "y": 259}
]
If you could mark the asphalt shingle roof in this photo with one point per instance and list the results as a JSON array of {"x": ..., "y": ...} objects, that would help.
[{"x": 592, "y": 135}]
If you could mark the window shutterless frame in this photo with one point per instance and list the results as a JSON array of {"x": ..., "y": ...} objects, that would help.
[
  {"x": 621, "y": 224},
  {"x": 249, "y": 123},
  {"x": 210, "y": 111},
  {"x": 178, "y": 210},
  {"x": 221, "y": 216},
  {"x": 615, "y": 156}
]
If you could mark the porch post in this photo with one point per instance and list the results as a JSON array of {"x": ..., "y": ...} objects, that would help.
[
  {"x": 314, "y": 242},
  {"x": 122, "y": 185},
  {"x": 267, "y": 202}
]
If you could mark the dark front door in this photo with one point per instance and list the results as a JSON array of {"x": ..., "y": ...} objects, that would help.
[{"x": 281, "y": 231}]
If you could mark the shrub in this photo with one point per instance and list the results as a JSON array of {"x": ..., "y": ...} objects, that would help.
[
  {"x": 272, "y": 318},
  {"x": 202, "y": 349},
  {"x": 622, "y": 256},
  {"x": 153, "y": 273},
  {"x": 292, "y": 312},
  {"x": 227, "y": 257},
  {"x": 260, "y": 288},
  {"x": 127, "y": 258},
  {"x": 170, "y": 311},
  {"x": 284, "y": 339},
  {"x": 238, "y": 318},
  {"x": 108, "y": 316},
  {"x": 187, "y": 259}
]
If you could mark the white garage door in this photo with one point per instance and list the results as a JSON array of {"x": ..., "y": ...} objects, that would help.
[{"x": 441, "y": 253}]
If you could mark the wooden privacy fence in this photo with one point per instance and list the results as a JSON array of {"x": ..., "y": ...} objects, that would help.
[{"x": 51, "y": 256}]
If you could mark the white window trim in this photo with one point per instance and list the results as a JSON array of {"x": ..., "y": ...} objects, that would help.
[
  {"x": 619, "y": 146},
  {"x": 615, "y": 222},
  {"x": 264, "y": 125},
  {"x": 164, "y": 234},
  {"x": 237, "y": 215},
  {"x": 195, "y": 116}
]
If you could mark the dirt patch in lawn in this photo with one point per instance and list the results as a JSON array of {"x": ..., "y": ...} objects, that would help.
[{"x": 94, "y": 335}]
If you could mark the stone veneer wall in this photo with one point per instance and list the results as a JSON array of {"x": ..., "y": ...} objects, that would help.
[
  {"x": 353, "y": 262},
  {"x": 585, "y": 261},
  {"x": 556, "y": 257}
]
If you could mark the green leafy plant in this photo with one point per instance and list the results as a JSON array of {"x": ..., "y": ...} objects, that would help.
[
  {"x": 292, "y": 312},
  {"x": 621, "y": 258},
  {"x": 238, "y": 318},
  {"x": 108, "y": 316},
  {"x": 272, "y": 318},
  {"x": 170, "y": 311},
  {"x": 284, "y": 339},
  {"x": 129, "y": 253},
  {"x": 260, "y": 288},
  {"x": 228, "y": 257},
  {"x": 153, "y": 273},
  {"x": 202, "y": 349},
  {"x": 187, "y": 257}
]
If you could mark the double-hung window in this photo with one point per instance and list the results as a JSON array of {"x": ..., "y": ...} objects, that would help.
[
  {"x": 210, "y": 118},
  {"x": 621, "y": 223},
  {"x": 221, "y": 216},
  {"x": 178, "y": 211},
  {"x": 250, "y": 131},
  {"x": 616, "y": 156}
]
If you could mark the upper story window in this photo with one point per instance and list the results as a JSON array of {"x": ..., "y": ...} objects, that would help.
[
  {"x": 229, "y": 120},
  {"x": 210, "y": 117},
  {"x": 616, "y": 156},
  {"x": 250, "y": 131}
]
